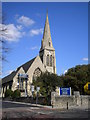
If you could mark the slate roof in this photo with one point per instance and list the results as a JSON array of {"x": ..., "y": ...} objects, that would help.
[
  {"x": 25, "y": 66},
  {"x": 8, "y": 78}
]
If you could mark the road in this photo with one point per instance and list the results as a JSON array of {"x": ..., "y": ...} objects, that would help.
[{"x": 21, "y": 110}]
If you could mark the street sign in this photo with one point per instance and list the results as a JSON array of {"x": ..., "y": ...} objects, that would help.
[
  {"x": 65, "y": 91},
  {"x": 32, "y": 88},
  {"x": 38, "y": 88},
  {"x": 23, "y": 75}
]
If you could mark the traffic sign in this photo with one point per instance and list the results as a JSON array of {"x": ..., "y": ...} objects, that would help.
[
  {"x": 38, "y": 88},
  {"x": 32, "y": 88},
  {"x": 87, "y": 87}
]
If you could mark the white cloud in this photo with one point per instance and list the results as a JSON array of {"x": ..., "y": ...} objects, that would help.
[
  {"x": 34, "y": 48},
  {"x": 36, "y": 31},
  {"x": 85, "y": 59},
  {"x": 19, "y": 27},
  {"x": 12, "y": 33},
  {"x": 65, "y": 71},
  {"x": 26, "y": 21}
]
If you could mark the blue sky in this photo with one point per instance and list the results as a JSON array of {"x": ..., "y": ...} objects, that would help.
[{"x": 69, "y": 32}]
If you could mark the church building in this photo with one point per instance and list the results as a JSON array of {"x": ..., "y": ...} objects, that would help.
[{"x": 23, "y": 77}]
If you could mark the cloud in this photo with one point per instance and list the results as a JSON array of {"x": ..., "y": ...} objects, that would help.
[
  {"x": 34, "y": 48},
  {"x": 12, "y": 33},
  {"x": 19, "y": 27},
  {"x": 85, "y": 59},
  {"x": 36, "y": 31},
  {"x": 65, "y": 71},
  {"x": 26, "y": 21}
]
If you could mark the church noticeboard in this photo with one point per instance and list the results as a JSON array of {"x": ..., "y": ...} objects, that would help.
[{"x": 65, "y": 91}]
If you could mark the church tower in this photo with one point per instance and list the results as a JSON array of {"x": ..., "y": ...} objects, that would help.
[{"x": 47, "y": 51}]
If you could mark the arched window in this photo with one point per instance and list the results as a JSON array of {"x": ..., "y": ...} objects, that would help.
[
  {"x": 47, "y": 60},
  {"x": 50, "y": 60},
  {"x": 36, "y": 73}
]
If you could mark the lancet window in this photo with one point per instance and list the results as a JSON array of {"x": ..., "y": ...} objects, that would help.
[
  {"x": 50, "y": 60},
  {"x": 47, "y": 60}
]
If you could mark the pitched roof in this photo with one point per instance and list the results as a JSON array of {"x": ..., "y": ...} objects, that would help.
[
  {"x": 8, "y": 78},
  {"x": 25, "y": 66}
]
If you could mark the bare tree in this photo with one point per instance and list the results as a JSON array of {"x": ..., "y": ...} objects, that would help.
[{"x": 3, "y": 34}]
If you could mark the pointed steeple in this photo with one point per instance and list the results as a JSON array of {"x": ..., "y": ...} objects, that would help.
[
  {"x": 47, "y": 28},
  {"x": 46, "y": 40},
  {"x": 47, "y": 52}
]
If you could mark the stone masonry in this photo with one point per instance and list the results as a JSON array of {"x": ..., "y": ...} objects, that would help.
[{"x": 70, "y": 102}]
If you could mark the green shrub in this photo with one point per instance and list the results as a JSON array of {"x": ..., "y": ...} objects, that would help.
[
  {"x": 16, "y": 94},
  {"x": 8, "y": 93},
  {"x": 34, "y": 95}
]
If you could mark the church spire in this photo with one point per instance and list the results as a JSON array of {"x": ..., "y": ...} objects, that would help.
[
  {"x": 46, "y": 40},
  {"x": 47, "y": 52},
  {"x": 47, "y": 33}
]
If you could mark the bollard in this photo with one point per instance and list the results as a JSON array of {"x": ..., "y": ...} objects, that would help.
[{"x": 67, "y": 105}]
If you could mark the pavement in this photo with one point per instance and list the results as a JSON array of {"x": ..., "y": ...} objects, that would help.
[
  {"x": 20, "y": 110},
  {"x": 22, "y": 103}
]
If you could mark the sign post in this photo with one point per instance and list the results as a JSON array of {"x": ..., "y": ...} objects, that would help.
[{"x": 32, "y": 89}]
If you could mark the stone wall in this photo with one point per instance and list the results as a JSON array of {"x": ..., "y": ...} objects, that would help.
[{"x": 69, "y": 102}]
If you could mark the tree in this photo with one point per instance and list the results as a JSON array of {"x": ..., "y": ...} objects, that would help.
[
  {"x": 8, "y": 93},
  {"x": 16, "y": 94},
  {"x": 47, "y": 83},
  {"x": 77, "y": 77},
  {"x": 70, "y": 81},
  {"x": 3, "y": 33}
]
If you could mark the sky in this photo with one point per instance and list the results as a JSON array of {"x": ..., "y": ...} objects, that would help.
[{"x": 25, "y": 23}]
